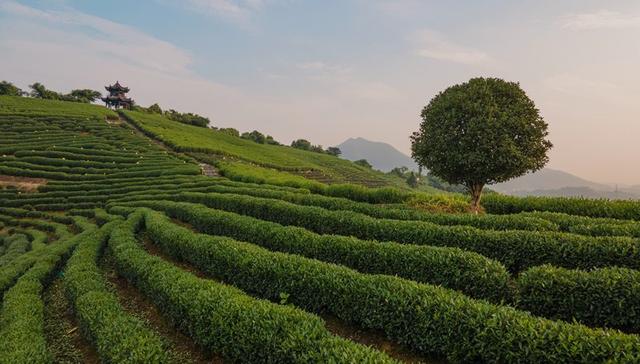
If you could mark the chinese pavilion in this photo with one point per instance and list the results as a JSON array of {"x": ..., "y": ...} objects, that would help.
[{"x": 116, "y": 97}]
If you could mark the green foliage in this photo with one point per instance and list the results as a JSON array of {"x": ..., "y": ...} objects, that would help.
[
  {"x": 259, "y": 138},
  {"x": 428, "y": 319},
  {"x": 154, "y": 109},
  {"x": 335, "y": 151},
  {"x": 301, "y": 144},
  {"x": 230, "y": 131},
  {"x": 83, "y": 95},
  {"x": 302, "y": 197},
  {"x": 22, "y": 314},
  {"x": 481, "y": 132},
  {"x": 260, "y": 331},
  {"x": 254, "y": 174},
  {"x": 517, "y": 250},
  {"x": 453, "y": 268},
  {"x": 15, "y": 246},
  {"x": 606, "y": 297},
  {"x": 306, "y": 145},
  {"x": 39, "y": 91},
  {"x": 118, "y": 336},
  {"x": 412, "y": 180},
  {"x": 588, "y": 225},
  {"x": 364, "y": 163},
  {"x": 187, "y": 118},
  {"x": 616, "y": 209},
  {"x": 9, "y": 89},
  {"x": 439, "y": 203},
  {"x": 401, "y": 172}
]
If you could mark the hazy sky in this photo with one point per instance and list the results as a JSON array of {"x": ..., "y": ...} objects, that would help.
[{"x": 333, "y": 69}]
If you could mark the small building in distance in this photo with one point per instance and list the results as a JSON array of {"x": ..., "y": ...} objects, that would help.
[{"x": 117, "y": 97}]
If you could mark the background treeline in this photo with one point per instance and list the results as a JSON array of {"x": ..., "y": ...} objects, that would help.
[{"x": 39, "y": 91}]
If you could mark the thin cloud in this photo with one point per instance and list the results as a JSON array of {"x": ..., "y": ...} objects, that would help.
[
  {"x": 603, "y": 19},
  {"x": 65, "y": 48},
  {"x": 321, "y": 66},
  {"x": 238, "y": 11},
  {"x": 435, "y": 46}
]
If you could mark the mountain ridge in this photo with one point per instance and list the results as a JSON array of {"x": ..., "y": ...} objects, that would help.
[
  {"x": 381, "y": 155},
  {"x": 546, "y": 182}
]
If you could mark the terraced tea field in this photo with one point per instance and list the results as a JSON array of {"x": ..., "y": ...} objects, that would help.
[{"x": 116, "y": 249}]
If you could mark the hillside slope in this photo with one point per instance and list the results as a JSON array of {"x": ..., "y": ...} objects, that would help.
[{"x": 215, "y": 144}]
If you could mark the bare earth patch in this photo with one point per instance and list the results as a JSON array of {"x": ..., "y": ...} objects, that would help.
[{"x": 26, "y": 184}]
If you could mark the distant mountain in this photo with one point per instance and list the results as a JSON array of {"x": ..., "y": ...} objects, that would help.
[
  {"x": 381, "y": 155},
  {"x": 547, "y": 179},
  {"x": 551, "y": 182}
]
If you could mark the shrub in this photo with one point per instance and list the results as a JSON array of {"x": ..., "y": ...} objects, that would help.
[
  {"x": 617, "y": 209},
  {"x": 451, "y": 204},
  {"x": 607, "y": 297},
  {"x": 223, "y": 319},
  {"x": 429, "y": 319},
  {"x": 118, "y": 336},
  {"x": 22, "y": 315},
  {"x": 453, "y": 268},
  {"x": 517, "y": 250}
]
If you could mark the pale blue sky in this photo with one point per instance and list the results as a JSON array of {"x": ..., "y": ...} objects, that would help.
[{"x": 330, "y": 70}]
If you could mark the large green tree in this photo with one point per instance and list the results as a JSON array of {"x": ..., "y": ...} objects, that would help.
[{"x": 481, "y": 132}]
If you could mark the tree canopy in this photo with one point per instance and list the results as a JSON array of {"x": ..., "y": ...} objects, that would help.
[
  {"x": 363, "y": 163},
  {"x": 335, "y": 151},
  {"x": 39, "y": 91},
  {"x": 9, "y": 89},
  {"x": 481, "y": 132}
]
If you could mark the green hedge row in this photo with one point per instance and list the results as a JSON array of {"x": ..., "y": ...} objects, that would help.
[
  {"x": 118, "y": 337},
  {"x": 12, "y": 171},
  {"x": 517, "y": 250},
  {"x": 22, "y": 315},
  {"x": 38, "y": 238},
  {"x": 13, "y": 270},
  {"x": 485, "y": 222},
  {"x": 78, "y": 155},
  {"x": 453, "y": 268},
  {"x": 617, "y": 209},
  {"x": 607, "y": 297},
  {"x": 16, "y": 245},
  {"x": 493, "y": 222},
  {"x": 593, "y": 226},
  {"x": 429, "y": 319},
  {"x": 223, "y": 319}
]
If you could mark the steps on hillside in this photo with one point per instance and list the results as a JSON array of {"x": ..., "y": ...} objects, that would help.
[{"x": 209, "y": 170}]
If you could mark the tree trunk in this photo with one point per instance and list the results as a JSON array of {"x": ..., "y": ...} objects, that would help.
[{"x": 476, "y": 194}]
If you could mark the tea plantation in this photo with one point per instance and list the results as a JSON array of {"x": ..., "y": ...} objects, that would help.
[{"x": 115, "y": 248}]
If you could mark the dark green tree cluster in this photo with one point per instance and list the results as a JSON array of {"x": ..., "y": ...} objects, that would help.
[
  {"x": 259, "y": 138},
  {"x": 306, "y": 145},
  {"x": 363, "y": 163},
  {"x": 185, "y": 118},
  {"x": 412, "y": 178},
  {"x": 39, "y": 91},
  {"x": 231, "y": 131},
  {"x": 9, "y": 89},
  {"x": 481, "y": 132}
]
